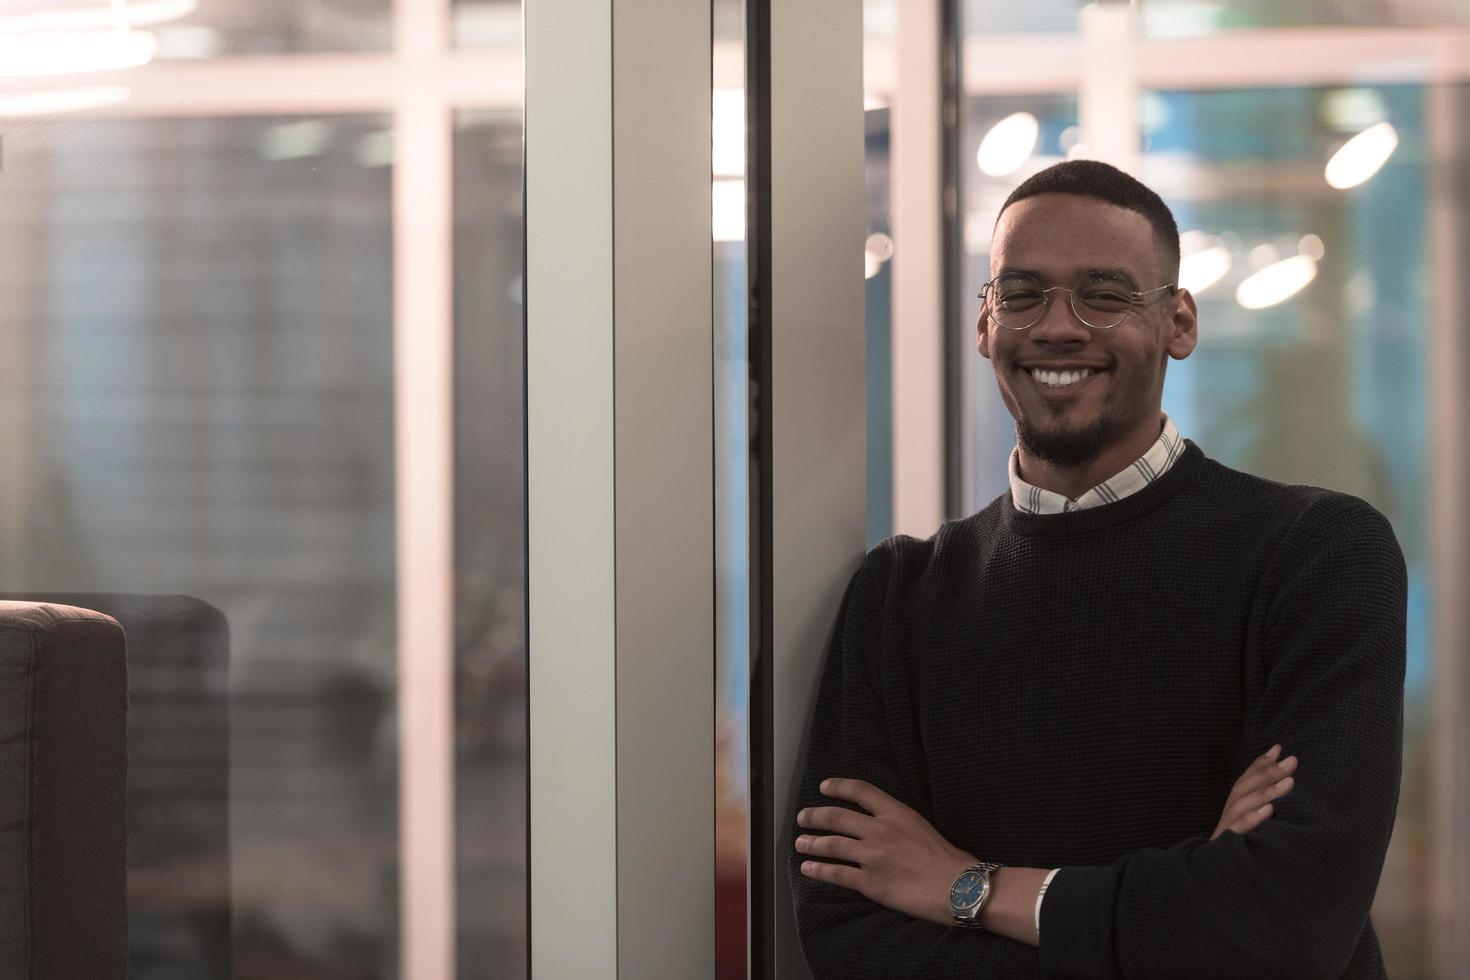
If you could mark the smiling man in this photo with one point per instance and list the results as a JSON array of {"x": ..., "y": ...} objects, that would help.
[{"x": 1030, "y": 723}]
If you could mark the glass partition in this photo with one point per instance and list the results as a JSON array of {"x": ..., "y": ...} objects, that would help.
[
  {"x": 199, "y": 403},
  {"x": 203, "y": 416},
  {"x": 1320, "y": 226},
  {"x": 1313, "y": 348},
  {"x": 1191, "y": 18},
  {"x": 491, "y": 741}
]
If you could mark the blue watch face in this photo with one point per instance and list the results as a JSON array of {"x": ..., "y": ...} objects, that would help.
[{"x": 967, "y": 890}]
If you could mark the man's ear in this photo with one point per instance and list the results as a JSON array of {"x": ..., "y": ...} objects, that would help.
[
  {"x": 1182, "y": 326},
  {"x": 982, "y": 334}
]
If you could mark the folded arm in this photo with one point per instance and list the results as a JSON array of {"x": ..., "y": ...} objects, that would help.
[{"x": 1292, "y": 897}]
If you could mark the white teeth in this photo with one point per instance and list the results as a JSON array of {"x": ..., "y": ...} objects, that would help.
[{"x": 1057, "y": 379}]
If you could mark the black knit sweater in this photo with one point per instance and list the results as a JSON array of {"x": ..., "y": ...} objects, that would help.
[{"x": 1081, "y": 691}]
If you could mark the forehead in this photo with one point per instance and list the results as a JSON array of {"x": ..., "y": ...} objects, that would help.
[{"x": 1063, "y": 235}]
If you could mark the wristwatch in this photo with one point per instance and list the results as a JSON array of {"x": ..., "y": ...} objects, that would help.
[{"x": 969, "y": 893}]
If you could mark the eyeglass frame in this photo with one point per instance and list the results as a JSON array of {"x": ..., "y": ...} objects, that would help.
[{"x": 1135, "y": 296}]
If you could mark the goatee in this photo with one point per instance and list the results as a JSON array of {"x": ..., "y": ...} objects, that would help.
[{"x": 1067, "y": 447}]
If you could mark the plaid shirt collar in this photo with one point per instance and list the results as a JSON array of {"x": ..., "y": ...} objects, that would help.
[{"x": 1144, "y": 470}]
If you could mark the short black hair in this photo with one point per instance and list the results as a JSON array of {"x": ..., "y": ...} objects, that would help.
[{"x": 1104, "y": 182}]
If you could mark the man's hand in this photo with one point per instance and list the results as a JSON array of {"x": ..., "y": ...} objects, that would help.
[
  {"x": 903, "y": 862},
  {"x": 1250, "y": 800}
]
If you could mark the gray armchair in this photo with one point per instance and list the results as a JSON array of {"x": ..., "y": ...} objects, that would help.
[{"x": 63, "y": 793}]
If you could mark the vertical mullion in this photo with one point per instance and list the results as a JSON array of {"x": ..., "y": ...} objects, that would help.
[
  {"x": 813, "y": 394},
  {"x": 1107, "y": 102},
  {"x": 663, "y": 320},
  {"x": 423, "y": 331},
  {"x": 570, "y": 507},
  {"x": 919, "y": 323}
]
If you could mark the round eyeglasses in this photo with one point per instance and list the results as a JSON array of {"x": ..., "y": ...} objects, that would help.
[{"x": 1017, "y": 300}]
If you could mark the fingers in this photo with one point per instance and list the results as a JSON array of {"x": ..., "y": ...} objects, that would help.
[
  {"x": 1263, "y": 800},
  {"x": 837, "y": 874},
  {"x": 1253, "y": 797},
  {"x": 1248, "y": 822},
  {"x": 864, "y": 794},
  {"x": 1262, "y": 774},
  {"x": 836, "y": 818},
  {"x": 830, "y": 846}
]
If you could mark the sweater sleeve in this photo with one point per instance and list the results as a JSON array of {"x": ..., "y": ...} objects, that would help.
[
  {"x": 1290, "y": 898},
  {"x": 863, "y": 728}
]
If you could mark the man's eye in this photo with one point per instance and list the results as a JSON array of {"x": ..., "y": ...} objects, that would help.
[
  {"x": 1020, "y": 299},
  {"x": 1106, "y": 298}
]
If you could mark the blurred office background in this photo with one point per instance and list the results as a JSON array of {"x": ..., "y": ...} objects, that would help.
[{"x": 218, "y": 224}]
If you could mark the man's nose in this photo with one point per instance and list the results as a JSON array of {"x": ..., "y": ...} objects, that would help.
[{"x": 1059, "y": 324}]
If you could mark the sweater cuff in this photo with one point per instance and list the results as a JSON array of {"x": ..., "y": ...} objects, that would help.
[{"x": 1071, "y": 947}]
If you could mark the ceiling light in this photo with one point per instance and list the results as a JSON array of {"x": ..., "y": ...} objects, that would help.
[
  {"x": 138, "y": 13},
  {"x": 1276, "y": 283},
  {"x": 727, "y": 201},
  {"x": 728, "y": 132},
  {"x": 66, "y": 54},
  {"x": 1201, "y": 270},
  {"x": 1362, "y": 156},
  {"x": 1008, "y": 145}
]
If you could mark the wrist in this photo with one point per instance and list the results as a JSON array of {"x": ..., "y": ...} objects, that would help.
[{"x": 1011, "y": 909}]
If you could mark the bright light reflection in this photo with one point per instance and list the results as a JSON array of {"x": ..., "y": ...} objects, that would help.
[
  {"x": 879, "y": 245},
  {"x": 1276, "y": 283},
  {"x": 138, "y": 13},
  {"x": 1362, "y": 156},
  {"x": 65, "y": 54},
  {"x": 59, "y": 101},
  {"x": 1008, "y": 145},
  {"x": 293, "y": 141},
  {"x": 1201, "y": 270},
  {"x": 728, "y": 132},
  {"x": 727, "y": 200}
]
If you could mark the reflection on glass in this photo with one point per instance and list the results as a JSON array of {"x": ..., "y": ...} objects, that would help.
[
  {"x": 491, "y": 749},
  {"x": 879, "y": 248},
  {"x": 92, "y": 35},
  {"x": 733, "y": 492},
  {"x": 196, "y": 411},
  {"x": 1196, "y": 18},
  {"x": 1001, "y": 17},
  {"x": 488, "y": 24}
]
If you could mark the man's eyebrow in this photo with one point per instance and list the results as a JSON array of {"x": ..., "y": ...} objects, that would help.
[
  {"x": 1124, "y": 274},
  {"x": 1111, "y": 273}
]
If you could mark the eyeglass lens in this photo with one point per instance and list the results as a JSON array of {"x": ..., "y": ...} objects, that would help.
[{"x": 1018, "y": 300}]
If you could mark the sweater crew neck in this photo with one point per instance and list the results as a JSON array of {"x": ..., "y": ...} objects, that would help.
[{"x": 1094, "y": 518}]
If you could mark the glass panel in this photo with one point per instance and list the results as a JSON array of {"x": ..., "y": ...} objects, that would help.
[
  {"x": 487, "y": 24},
  {"x": 196, "y": 413},
  {"x": 490, "y": 598},
  {"x": 1323, "y": 383},
  {"x": 1003, "y": 17},
  {"x": 879, "y": 24},
  {"x": 189, "y": 30},
  {"x": 986, "y": 179},
  {"x": 1193, "y": 18},
  {"x": 733, "y": 392}
]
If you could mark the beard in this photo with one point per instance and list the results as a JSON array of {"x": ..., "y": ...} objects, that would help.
[{"x": 1069, "y": 446}]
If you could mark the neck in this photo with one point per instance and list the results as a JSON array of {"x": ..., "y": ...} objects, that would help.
[{"x": 1073, "y": 482}]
